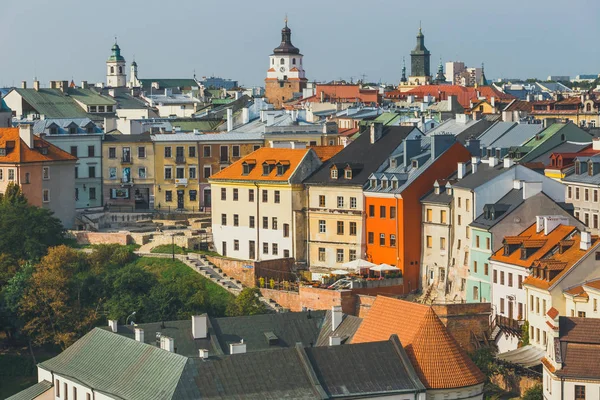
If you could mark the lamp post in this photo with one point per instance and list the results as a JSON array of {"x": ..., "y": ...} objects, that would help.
[
  {"x": 173, "y": 245},
  {"x": 130, "y": 315}
]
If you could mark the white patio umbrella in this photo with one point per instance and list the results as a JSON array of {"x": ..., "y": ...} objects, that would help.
[
  {"x": 358, "y": 264},
  {"x": 339, "y": 272},
  {"x": 383, "y": 267}
]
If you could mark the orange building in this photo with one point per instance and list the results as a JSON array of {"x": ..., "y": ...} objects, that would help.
[{"x": 392, "y": 201}]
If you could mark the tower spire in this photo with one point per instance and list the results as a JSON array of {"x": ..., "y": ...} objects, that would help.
[{"x": 403, "y": 79}]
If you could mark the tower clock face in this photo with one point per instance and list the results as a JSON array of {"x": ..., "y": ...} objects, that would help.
[{"x": 282, "y": 69}]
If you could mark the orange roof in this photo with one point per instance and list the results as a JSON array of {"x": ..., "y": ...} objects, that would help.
[
  {"x": 514, "y": 239},
  {"x": 562, "y": 262},
  {"x": 577, "y": 291},
  {"x": 435, "y": 355},
  {"x": 464, "y": 94},
  {"x": 595, "y": 284},
  {"x": 348, "y": 131},
  {"x": 548, "y": 365},
  {"x": 530, "y": 235},
  {"x": 552, "y": 312},
  {"x": 21, "y": 153},
  {"x": 272, "y": 156},
  {"x": 326, "y": 152}
]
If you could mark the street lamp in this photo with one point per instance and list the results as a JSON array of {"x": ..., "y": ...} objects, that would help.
[
  {"x": 130, "y": 316},
  {"x": 173, "y": 245}
]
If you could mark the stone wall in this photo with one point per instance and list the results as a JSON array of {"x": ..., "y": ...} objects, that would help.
[
  {"x": 363, "y": 304},
  {"x": 248, "y": 272},
  {"x": 86, "y": 237},
  {"x": 515, "y": 382},
  {"x": 462, "y": 319}
]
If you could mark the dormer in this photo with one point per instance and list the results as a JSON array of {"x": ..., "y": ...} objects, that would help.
[
  {"x": 268, "y": 166},
  {"x": 415, "y": 164},
  {"x": 436, "y": 187},
  {"x": 72, "y": 128},
  {"x": 384, "y": 182},
  {"x": 89, "y": 127},
  {"x": 373, "y": 181},
  {"x": 592, "y": 167},
  {"x": 333, "y": 172},
  {"x": 53, "y": 129},
  {"x": 511, "y": 243},
  {"x": 282, "y": 167},
  {"x": 248, "y": 166},
  {"x": 394, "y": 182},
  {"x": 348, "y": 172}
]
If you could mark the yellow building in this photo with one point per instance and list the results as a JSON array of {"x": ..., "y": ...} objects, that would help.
[
  {"x": 128, "y": 171},
  {"x": 176, "y": 169}
]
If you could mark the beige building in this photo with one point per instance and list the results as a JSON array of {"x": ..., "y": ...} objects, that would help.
[{"x": 258, "y": 205}]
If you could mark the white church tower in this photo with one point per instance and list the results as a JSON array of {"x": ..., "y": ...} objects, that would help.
[
  {"x": 133, "y": 75},
  {"x": 115, "y": 68}
]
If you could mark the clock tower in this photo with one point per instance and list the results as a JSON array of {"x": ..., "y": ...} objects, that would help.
[
  {"x": 419, "y": 62},
  {"x": 285, "y": 76}
]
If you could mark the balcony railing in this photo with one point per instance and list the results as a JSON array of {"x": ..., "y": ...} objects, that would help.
[
  {"x": 181, "y": 181},
  {"x": 126, "y": 160},
  {"x": 127, "y": 181},
  {"x": 180, "y": 160}
]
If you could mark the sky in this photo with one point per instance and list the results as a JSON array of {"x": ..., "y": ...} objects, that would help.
[{"x": 71, "y": 39}]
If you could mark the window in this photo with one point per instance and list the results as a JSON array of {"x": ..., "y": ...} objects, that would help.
[
  {"x": 192, "y": 151},
  {"x": 236, "y": 244},
  {"x": 488, "y": 243},
  {"x": 91, "y": 151},
  {"x": 543, "y": 306},
  {"x": 477, "y": 241},
  {"x": 352, "y": 255},
  {"x": 371, "y": 211},
  {"x": 467, "y": 204},
  {"x": 352, "y": 202},
  {"x": 466, "y": 257},
  {"x": 286, "y": 230},
  {"x": 274, "y": 223},
  {"x": 179, "y": 173},
  {"x": 46, "y": 195},
  {"x": 265, "y": 248},
  {"x": 352, "y": 228},
  {"x": 322, "y": 228},
  {"x": 340, "y": 227},
  {"x": 334, "y": 173},
  {"x": 169, "y": 173},
  {"x": 11, "y": 174},
  {"x": 91, "y": 172},
  {"x": 595, "y": 305},
  {"x": 475, "y": 293},
  {"x": 168, "y": 196},
  {"x": 348, "y": 174},
  {"x": 236, "y": 220},
  {"x": 265, "y": 222},
  {"x": 340, "y": 202},
  {"x": 579, "y": 392},
  {"x": 256, "y": 147},
  {"x": 251, "y": 221},
  {"x": 459, "y": 202},
  {"x": 443, "y": 243},
  {"x": 586, "y": 194},
  {"x": 429, "y": 242},
  {"x": 168, "y": 152},
  {"x": 142, "y": 172},
  {"x": 486, "y": 269},
  {"x": 468, "y": 232},
  {"x": 192, "y": 173},
  {"x": 223, "y": 219},
  {"x": 277, "y": 197},
  {"x": 502, "y": 277},
  {"x": 501, "y": 306},
  {"x": 537, "y": 305},
  {"x": 206, "y": 151},
  {"x": 569, "y": 192},
  {"x": 581, "y": 314},
  {"x": 429, "y": 214},
  {"x": 339, "y": 255},
  {"x": 459, "y": 220},
  {"x": 74, "y": 151},
  {"x": 275, "y": 249},
  {"x": 381, "y": 211},
  {"x": 223, "y": 193},
  {"x": 265, "y": 196},
  {"x": 595, "y": 219},
  {"x": 371, "y": 237},
  {"x": 66, "y": 390},
  {"x": 235, "y": 194},
  {"x": 576, "y": 193},
  {"x": 235, "y": 151},
  {"x": 475, "y": 266},
  {"x": 510, "y": 279},
  {"x": 193, "y": 194},
  {"x": 321, "y": 201},
  {"x": 76, "y": 193},
  {"x": 531, "y": 303},
  {"x": 207, "y": 171},
  {"x": 495, "y": 273},
  {"x": 392, "y": 240},
  {"x": 92, "y": 192},
  {"x": 321, "y": 254},
  {"x": 443, "y": 216},
  {"x": 57, "y": 388},
  {"x": 251, "y": 195},
  {"x": 45, "y": 173},
  {"x": 2, "y": 174}
]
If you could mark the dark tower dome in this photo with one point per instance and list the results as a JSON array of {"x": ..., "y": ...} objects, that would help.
[{"x": 286, "y": 46}]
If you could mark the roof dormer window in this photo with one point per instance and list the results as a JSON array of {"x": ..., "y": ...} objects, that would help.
[
  {"x": 577, "y": 167},
  {"x": 590, "y": 168},
  {"x": 348, "y": 173},
  {"x": 53, "y": 130},
  {"x": 373, "y": 183},
  {"x": 44, "y": 150},
  {"x": 266, "y": 169},
  {"x": 72, "y": 130},
  {"x": 334, "y": 173},
  {"x": 394, "y": 184},
  {"x": 415, "y": 164},
  {"x": 280, "y": 170},
  {"x": 2, "y": 151}
]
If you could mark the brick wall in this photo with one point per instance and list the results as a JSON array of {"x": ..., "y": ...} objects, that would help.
[
  {"x": 313, "y": 298},
  {"x": 363, "y": 305},
  {"x": 279, "y": 269},
  {"x": 289, "y": 300},
  {"x": 85, "y": 237},
  {"x": 462, "y": 319}
]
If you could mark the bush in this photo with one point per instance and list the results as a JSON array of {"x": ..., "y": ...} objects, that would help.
[{"x": 535, "y": 393}]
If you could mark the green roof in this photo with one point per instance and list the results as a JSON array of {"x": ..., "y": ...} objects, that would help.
[
  {"x": 387, "y": 118},
  {"x": 120, "y": 367},
  {"x": 90, "y": 97},
  {"x": 32, "y": 392},
  {"x": 222, "y": 101},
  {"x": 543, "y": 135},
  {"x": 52, "y": 103}
]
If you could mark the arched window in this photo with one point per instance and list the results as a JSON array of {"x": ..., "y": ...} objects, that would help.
[
  {"x": 282, "y": 61},
  {"x": 120, "y": 70},
  {"x": 294, "y": 61},
  {"x": 112, "y": 70},
  {"x": 588, "y": 107}
]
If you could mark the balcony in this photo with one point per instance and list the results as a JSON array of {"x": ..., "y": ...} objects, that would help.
[
  {"x": 181, "y": 181},
  {"x": 180, "y": 160},
  {"x": 126, "y": 160},
  {"x": 126, "y": 181}
]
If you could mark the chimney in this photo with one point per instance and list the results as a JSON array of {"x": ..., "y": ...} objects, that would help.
[
  {"x": 539, "y": 223},
  {"x": 440, "y": 143},
  {"x": 412, "y": 148},
  {"x": 139, "y": 335},
  {"x": 552, "y": 221},
  {"x": 36, "y": 85},
  {"x": 64, "y": 85},
  {"x": 586, "y": 241},
  {"x": 596, "y": 144},
  {"x": 113, "y": 324},
  {"x": 111, "y": 92},
  {"x": 508, "y": 162},
  {"x": 493, "y": 101},
  {"x": 335, "y": 340},
  {"x": 450, "y": 101},
  {"x": 336, "y": 317},
  {"x": 376, "y": 131},
  {"x": 517, "y": 184},
  {"x": 237, "y": 348},
  {"x": 474, "y": 146},
  {"x": 462, "y": 170},
  {"x": 531, "y": 189},
  {"x": 26, "y": 134},
  {"x": 84, "y": 84},
  {"x": 474, "y": 163},
  {"x": 245, "y": 115},
  {"x": 200, "y": 326},
  {"x": 492, "y": 162},
  {"x": 167, "y": 343},
  {"x": 229, "y": 120},
  {"x": 270, "y": 119},
  {"x": 203, "y": 353},
  {"x": 24, "y": 85}
]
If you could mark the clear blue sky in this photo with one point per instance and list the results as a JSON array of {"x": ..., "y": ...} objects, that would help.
[{"x": 64, "y": 39}]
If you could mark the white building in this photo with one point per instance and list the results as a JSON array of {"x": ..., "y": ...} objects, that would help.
[
  {"x": 115, "y": 68},
  {"x": 258, "y": 204}
]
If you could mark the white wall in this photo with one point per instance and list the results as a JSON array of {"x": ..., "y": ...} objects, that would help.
[{"x": 465, "y": 393}]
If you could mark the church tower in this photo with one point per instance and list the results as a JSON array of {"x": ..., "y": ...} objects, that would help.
[
  {"x": 419, "y": 60},
  {"x": 133, "y": 76},
  {"x": 285, "y": 76},
  {"x": 115, "y": 68}
]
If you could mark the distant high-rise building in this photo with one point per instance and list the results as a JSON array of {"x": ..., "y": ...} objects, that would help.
[{"x": 453, "y": 68}]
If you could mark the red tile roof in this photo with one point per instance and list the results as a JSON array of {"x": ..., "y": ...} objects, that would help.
[
  {"x": 437, "y": 358},
  {"x": 21, "y": 153},
  {"x": 326, "y": 152},
  {"x": 552, "y": 312},
  {"x": 463, "y": 94}
]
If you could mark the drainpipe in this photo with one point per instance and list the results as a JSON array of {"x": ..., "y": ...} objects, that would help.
[
  {"x": 398, "y": 242},
  {"x": 562, "y": 388},
  {"x": 307, "y": 225},
  {"x": 257, "y": 223}
]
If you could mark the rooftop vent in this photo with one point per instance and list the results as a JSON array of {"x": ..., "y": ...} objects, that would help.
[{"x": 272, "y": 338}]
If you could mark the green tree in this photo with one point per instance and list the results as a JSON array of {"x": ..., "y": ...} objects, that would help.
[
  {"x": 128, "y": 291},
  {"x": 10, "y": 296},
  {"x": 524, "y": 335},
  {"x": 534, "y": 393},
  {"x": 246, "y": 303}
]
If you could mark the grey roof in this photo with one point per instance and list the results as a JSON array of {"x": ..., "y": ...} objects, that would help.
[
  {"x": 501, "y": 208},
  {"x": 566, "y": 147},
  {"x": 143, "y": 137},
  {"x": 345, "y": 331},
  {"x": 444, "y": 197},
  {"x": 583, "y": 178},
  {"x": 369, "y": 157},
  {"x": 174, "y": 98},
  {"x": 42, "y": 125},
  {"x": 517, "y": 135},
  {"x": 178, "y": 83},
  {"x": 284, "y": 119},
  {"x": 119, "y": 366},
  {"x": 32, "y": 392},
  {"x": 125, "y": 100},
  {"x": 473, "y": 131},
  {"x": 494, "y": 132},
  {"x": 207, "y": 137},
  {"x": 484, "y": 174},
  {"x": 452, "y": 126}
]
